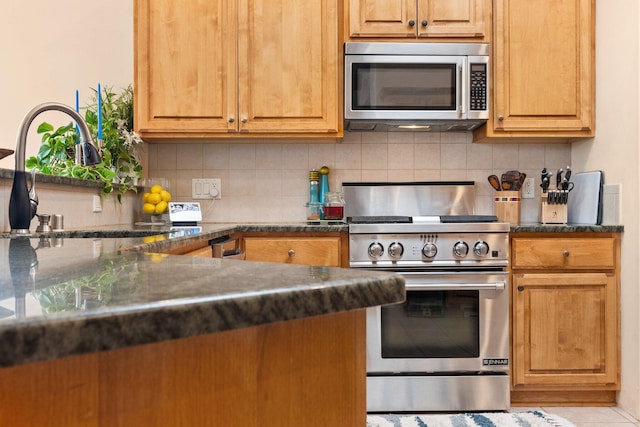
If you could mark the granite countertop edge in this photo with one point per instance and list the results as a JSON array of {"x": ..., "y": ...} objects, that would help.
[
  {"x": 565, "y": 228},
  {"x": 36, "y": 339},
  {"x": 74, "y": 334}
]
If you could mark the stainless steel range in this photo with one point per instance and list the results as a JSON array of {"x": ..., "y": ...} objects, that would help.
[{"x": 446, "y": 348}]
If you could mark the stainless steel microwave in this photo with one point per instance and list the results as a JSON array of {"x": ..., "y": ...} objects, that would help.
[{"x": 416, "y": 86}]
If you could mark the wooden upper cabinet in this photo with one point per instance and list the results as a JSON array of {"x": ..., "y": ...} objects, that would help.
[
  {"x": 237, "y": 68},
  {"x": 419, "y": 18},
  {"x": 543, "y": 71},
  {"x": 185, "y": 65},
  {"x": 289, "y": 66}
]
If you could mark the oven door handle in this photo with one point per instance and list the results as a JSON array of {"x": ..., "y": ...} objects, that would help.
[{"x": 497, "y": 286}]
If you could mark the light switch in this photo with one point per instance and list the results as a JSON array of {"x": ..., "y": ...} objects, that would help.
[{"x": 206, "y": 188}]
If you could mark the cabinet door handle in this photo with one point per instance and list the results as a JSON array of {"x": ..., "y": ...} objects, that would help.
[
  {"x": 231, "y": 120},
  {"x": 520, "y": 288},
  {"x": 244, "y": 119},
  {"x": 424, "y": 23},
  {"x": 500, "y": 118},
  {"x": 291, "y": 253},
  {"x": 412, "y": 22},
  {"x": 565, "y": 253}
]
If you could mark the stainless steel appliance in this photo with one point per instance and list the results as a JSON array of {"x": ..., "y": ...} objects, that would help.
[
  {"x": 416, "y": 86},
  {"x": 446, "y": 348}
]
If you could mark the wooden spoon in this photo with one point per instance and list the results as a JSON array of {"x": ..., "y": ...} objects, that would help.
[{"x": 495, "y": 182}]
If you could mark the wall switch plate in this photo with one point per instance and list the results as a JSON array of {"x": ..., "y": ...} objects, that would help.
[
  {"x": 206, "y": 188},
  {"x": 528, "y": 191},
  {"x": 97, "y": 204}
]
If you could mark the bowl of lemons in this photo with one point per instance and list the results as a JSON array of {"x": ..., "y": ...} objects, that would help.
[{"x": 153, "y": 206}]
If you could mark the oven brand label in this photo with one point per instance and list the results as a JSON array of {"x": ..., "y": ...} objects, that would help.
[{"x": 494, "y": 362}]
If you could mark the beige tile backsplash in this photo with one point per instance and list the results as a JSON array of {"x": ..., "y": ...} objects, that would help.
[
  {"x": 267, "y": 180},
  {"x": 75, "y": 204}
]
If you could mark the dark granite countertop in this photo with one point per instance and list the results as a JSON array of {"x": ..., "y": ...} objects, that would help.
[
  {"x": 565, "y": 228},
  {"x": 76, "y": 292}
]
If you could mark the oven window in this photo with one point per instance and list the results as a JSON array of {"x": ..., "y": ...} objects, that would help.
[
  {"x": 404, "y": 87},
  {"x": 435, "y": 324}
]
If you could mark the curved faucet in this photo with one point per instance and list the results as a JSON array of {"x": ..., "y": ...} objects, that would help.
[{"x": 23, "y": 202}]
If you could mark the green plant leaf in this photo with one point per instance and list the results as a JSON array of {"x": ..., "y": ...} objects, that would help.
[
  {"x": 56, "y": 155},
  {"x": 45, "y": 127}
]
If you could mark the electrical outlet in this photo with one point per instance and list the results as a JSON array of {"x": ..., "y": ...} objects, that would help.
[
  {"x": 528, "y": 191},
  {"x": 97, "y": 204},
  {"x": 206, "y": 188}
]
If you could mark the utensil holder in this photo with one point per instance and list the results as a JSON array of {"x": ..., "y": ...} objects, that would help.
[
  {"x": 507, "y": 206},
  {"x": 552, "y": 213}
]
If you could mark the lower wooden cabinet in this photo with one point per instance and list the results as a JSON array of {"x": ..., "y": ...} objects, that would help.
[
  {"x": 565, "y": 325},
  {"x": 307, "y": 372},
  {"x": 321, "y": 251}
]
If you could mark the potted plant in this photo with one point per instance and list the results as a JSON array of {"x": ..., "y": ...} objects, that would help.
[{"x": 118, "y": 147}]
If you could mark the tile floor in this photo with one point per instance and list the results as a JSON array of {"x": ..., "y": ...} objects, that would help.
[{"x": 589, "y": 416}]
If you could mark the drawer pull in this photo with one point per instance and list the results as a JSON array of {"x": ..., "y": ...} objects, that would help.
[
  {"x": 291, "y": 253},
  {"x": 520, "y": 288},
  {"x": 565, "y": 253}
]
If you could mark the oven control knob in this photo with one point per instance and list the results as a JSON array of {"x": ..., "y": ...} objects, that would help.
[
  {"x": 460, "y": 249},
  {"x": 396, "y": 250},
  {"x": 376, "y": 250},
  {"x": 429, "y": 250},
  {"x": 481, "y": 248}
]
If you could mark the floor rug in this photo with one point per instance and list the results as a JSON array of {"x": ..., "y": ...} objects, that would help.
[{"x": 480, "y": 419}]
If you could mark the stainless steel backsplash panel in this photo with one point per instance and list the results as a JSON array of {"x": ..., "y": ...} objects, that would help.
[{"x": 409, "y": 199}]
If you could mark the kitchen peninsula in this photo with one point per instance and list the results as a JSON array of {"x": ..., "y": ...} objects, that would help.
[{"x": 96, "y": 331}]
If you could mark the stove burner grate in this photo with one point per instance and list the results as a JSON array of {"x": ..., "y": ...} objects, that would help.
[
  {"x": 383, "y": 219},
  {"x": 467, "y": 218}
]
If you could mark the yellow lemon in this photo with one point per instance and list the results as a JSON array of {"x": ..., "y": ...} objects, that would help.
[
  {"x": 148, "y": 208},
  {"x": 157, "y": 257},
  {"x": 161, "y": 207},
  {"x": 154, "y": 198},
  {"x": 145, "y": 197},
  {"x": 156, "y": 188},
  {"x": 166, "y": 196}
]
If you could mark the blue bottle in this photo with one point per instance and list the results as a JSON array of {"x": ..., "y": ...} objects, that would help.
[
  {"x": 324, "y": 182},
  {"x": 324, "y": 186}
]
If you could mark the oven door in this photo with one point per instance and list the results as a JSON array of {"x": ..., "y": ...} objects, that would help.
[{"x": 450, "y": 323}]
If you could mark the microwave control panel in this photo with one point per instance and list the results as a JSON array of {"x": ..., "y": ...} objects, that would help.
[{"x": 478, "y": 93}]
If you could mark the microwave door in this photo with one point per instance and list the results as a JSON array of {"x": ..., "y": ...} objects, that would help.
[{"x": 404, "y": 87}]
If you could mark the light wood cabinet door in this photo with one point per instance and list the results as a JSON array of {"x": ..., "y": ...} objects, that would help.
[
  {"x": 418, "y": 18},
  {"x": 185, "y": 66},
  {"x": 289, "y": 67},
  {"x": 565, "y": 322},
  {"x": 318, "y": 251},
  {"x": 237, "y": 68},
  {"x": 543, "y": 71},
  {"x": 565, "y": 330},
  {"x": 574, "y": 253}
]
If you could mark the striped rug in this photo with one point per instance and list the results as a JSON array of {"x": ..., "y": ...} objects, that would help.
[{"x": 481, "y": 419}]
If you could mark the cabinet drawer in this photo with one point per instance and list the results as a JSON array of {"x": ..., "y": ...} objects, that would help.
[
  {"x": 563, "y": 253},
  {"x": 322, "y": 251}
]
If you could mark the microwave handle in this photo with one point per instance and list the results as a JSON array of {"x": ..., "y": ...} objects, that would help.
[{"x": 462, "y": 92}]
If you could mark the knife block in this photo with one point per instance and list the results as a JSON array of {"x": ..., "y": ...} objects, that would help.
[
  {"x": 552, "y": 214},
  {"x": 507, "y": 206}
]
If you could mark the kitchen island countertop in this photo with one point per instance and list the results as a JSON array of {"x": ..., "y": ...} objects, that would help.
[{"x": 75, "y": 292}]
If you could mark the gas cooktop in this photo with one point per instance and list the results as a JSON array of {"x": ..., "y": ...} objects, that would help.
[{"x": 427, "y": 219}]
